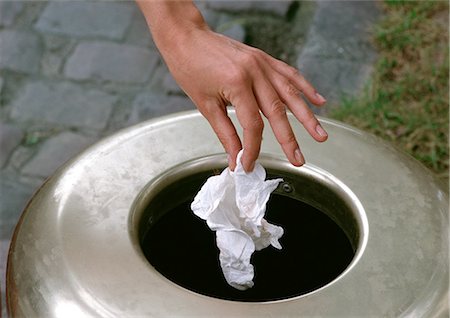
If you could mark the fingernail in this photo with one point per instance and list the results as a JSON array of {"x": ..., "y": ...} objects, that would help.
[
  {"x": 321, "y": 131},
  {"x": 321, "y": 98},
  {"x": 299, "y": 156}
]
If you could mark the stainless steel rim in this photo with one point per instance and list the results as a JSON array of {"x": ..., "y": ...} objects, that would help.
[{"x": 346, "y": 210}]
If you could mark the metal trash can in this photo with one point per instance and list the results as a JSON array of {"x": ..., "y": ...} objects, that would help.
[{"x": 87, "y": 244}]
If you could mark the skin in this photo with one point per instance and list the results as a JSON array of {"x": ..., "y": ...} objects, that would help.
[{"x": 216, "y": 71}]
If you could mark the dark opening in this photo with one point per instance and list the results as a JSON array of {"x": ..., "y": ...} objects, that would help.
[{"x": 182, "y": 248}]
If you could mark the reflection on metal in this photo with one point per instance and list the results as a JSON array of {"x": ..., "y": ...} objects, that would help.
[
  {"x": 75, "y": 247},
  {"x": 68, "y": 309}
]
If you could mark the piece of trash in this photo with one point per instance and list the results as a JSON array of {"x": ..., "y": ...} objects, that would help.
[{"x": 233, "y": 204}]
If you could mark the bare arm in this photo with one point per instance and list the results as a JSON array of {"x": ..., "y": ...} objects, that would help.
[{"x": 215, "y": 71}]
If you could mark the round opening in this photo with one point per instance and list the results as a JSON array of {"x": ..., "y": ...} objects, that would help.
[{"x": 324, "y": 232}]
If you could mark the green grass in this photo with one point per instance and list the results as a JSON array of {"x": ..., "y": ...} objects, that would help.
[{"x": 407, "y": 99}]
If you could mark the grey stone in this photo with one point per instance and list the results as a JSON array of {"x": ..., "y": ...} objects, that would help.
[
  {"x": 63, "y": 103},
  {"x": 341, "y": 29},
  {"x": 170, "y": 85},
  {"x": 86, "y": 18},
  {"x": 157, "y": 79},
  {"x": 149, "y": 105},
  {"x": 19, "y": 51},
  {"x": 279, "y": 7},
  {"x": 54, "y": 152},
  {"x": 351, "y": 48},
  {"x": 14, "y": 196},
  {"x": 56, "y": 42},
  {"x": 335, "y": 78},
  {"x": 34, "y": 182},
  {"x": 138, "y": 33},
  {"x": 337, "y": 57},
  {"x": 9, "y": 10},
  {"x": 10, "y": 138},
  {"x": 51, "y": 64},
  {"x": 343, "y": 20},
  {"x": 20, "y": 156},
  {"x": 111, "y": 61}
]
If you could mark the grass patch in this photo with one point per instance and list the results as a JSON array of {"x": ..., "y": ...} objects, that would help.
[{"x": 407, "y": 99}]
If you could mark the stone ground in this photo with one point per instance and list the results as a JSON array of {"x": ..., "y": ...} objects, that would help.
[{"x": 74, "y": 72}]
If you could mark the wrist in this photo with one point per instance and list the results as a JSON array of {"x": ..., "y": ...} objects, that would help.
[{"x": 171, "y": 22}]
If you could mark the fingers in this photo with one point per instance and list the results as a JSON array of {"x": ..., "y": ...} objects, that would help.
[
  {"x": 275, "y": 111},
  {"x": 294, "y": 76},
  {"x": 291, "y": 96},
  {"x": 247, "y": 112},
  {"x": 289, "y": 84},
  {"x": 224, "y": 129},
  {"x": 262, "y": 83}
]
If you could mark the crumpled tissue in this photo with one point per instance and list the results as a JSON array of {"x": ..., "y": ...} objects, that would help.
[{"x": 233, "y": 204}]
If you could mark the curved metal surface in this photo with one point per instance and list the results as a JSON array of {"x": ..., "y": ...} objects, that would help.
[
  {"x": 72, "y": 254},
  {"x": 308, "y": 184}
]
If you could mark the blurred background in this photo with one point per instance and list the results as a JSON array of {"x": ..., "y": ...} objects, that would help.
[{"x": 73, "y": 72}]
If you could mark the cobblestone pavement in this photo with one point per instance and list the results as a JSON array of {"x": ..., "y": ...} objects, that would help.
[{"x": 73, "y": 72}]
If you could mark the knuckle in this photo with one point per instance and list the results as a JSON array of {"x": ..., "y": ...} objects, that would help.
[
  {"x": 277, "y": 108},
  {"x": 288, "y": 140},
  {"x": 291, "y": 90},
  {"x": 249, "y": 59},
  {"x": 255, "y": 125},
  {"x": 258, "y": 54},
  {"x": 238, "y": 76},
  {"x": 227, "y": 140},
  {"x": 243, "y": 68},
  {"x": 208, "y": 108},
  {"x": 293, "y": 72}
]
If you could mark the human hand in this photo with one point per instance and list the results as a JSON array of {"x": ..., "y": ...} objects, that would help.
[{"x": 216, "y": 71}]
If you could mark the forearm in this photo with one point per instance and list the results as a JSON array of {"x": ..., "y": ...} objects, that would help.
[{"x": 170, "y": 20}]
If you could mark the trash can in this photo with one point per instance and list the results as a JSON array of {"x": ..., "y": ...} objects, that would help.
[{"x": 110, "y": 234}]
